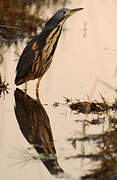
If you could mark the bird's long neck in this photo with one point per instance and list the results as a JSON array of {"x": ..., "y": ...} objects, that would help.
[
  {"x": 54, "y": 34},
  {"x": 51, "y": 41},
  {"x": 50, "y": 46}
]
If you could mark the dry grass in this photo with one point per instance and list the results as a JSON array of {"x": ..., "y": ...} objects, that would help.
[{"x": 3, "y": 86}]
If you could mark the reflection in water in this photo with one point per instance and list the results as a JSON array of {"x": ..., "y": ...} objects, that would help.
[
  {"x": 35, "y": 126},
  {"x": 18, "y": 21}
]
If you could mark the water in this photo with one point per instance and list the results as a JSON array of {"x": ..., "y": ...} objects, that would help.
[{"x": 84, "y": 64}]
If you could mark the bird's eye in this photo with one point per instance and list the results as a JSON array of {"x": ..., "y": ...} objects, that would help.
[{"x": 64, "y": 12}]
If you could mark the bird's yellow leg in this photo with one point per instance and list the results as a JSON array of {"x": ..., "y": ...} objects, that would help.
[
  {"x": 38, "y": 82},
  {"x": 37, "y": 87},
  {"x": 25, "y": 84}
]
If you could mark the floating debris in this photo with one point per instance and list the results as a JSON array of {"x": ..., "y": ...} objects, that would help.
[
  {"x": 55, "y": 104},
  {"x": 96, "y": 107},
  {"x": 88, "y": 107},
  {"x": 67, "y": 100},
  {"x": 74, "y": 142}
]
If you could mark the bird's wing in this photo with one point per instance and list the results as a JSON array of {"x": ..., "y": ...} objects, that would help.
[{"x": 27, "y": 59}]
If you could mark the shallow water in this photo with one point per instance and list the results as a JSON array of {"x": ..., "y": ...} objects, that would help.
[
  {"x": 84, "y": 64},
  {"x": 61, "y": 126}
]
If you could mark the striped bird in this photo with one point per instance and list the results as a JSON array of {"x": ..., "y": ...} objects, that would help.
[{"x": 37, "y": 55}]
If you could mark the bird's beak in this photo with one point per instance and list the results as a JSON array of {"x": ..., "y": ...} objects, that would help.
[{"x": 72, "y": 11}]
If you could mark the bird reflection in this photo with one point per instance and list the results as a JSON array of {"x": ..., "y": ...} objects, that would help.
[{"x": 35, "y": 126}]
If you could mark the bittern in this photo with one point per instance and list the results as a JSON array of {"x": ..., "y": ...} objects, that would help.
[{"x": 37, "y": 55}]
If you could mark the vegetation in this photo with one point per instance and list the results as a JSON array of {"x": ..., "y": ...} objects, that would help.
[{"x": 3, "y": 86}]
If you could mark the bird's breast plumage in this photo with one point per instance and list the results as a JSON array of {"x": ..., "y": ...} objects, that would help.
[{"x": 48, "y": 50}]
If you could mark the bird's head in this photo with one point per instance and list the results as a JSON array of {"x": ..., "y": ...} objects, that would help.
[
  {"x": 61, "y": 15},
  {"x": 64, "y": 13}
]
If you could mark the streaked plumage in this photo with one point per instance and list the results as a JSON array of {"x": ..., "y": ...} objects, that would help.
[{"x": 37, "y": 55}]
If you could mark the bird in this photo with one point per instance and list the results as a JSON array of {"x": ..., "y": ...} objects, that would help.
[{"x": 38, "y": 53}]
